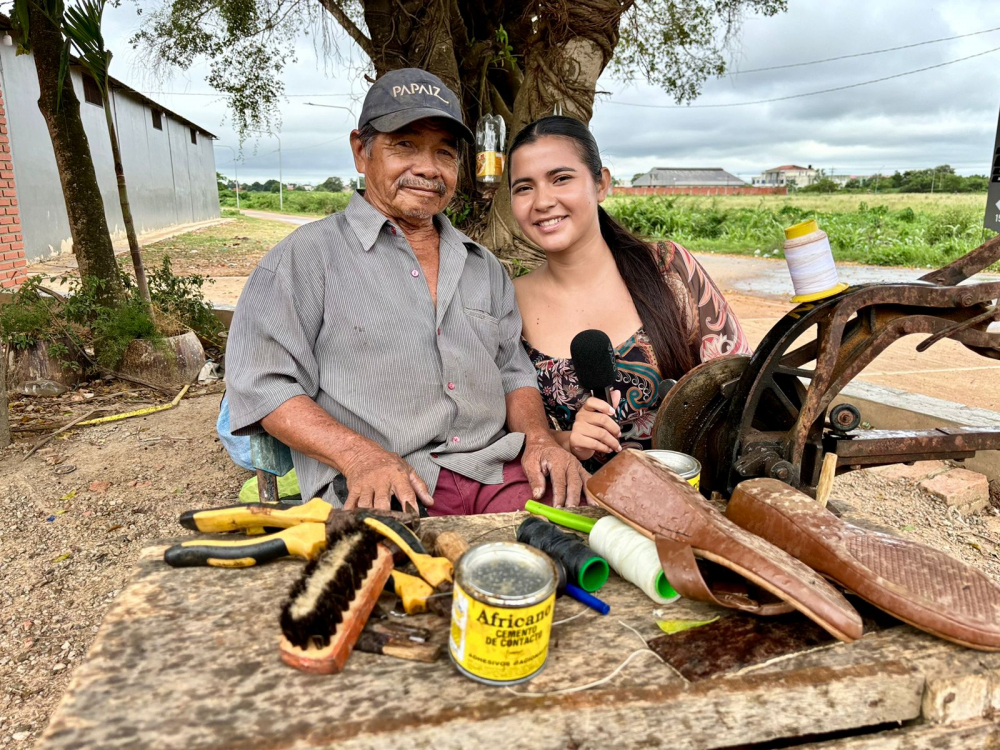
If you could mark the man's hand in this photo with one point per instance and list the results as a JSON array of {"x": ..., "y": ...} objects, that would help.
[
  {"x": 374, "y": 475},
  {"x": 542, "y": 456}
]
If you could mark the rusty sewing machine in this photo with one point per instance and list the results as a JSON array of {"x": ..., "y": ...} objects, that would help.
[{"x": 770, "y": 415}]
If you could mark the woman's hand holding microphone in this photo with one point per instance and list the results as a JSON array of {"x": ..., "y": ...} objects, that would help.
[{"x": 594, "y": 429}]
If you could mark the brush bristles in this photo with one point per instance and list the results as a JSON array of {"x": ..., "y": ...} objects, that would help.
[{"x": 316, "y": 605}]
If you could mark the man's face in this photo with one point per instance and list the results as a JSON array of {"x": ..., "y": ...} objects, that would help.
[{"x": 411, "y": 173}]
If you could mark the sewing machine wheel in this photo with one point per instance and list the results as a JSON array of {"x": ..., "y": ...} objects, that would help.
[{"x": 692, "y": 414}]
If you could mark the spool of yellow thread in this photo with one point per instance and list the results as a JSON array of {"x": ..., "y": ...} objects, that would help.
[{"x": 810, "y": 263}]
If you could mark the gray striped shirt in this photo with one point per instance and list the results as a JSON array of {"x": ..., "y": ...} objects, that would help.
[{"x": 339, "y": 311}]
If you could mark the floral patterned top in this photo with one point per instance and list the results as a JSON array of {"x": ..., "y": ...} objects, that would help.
[{"x": 714, "y": 331}]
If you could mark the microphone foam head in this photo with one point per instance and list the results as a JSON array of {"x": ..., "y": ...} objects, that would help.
[{"x": 594, "y": 360}]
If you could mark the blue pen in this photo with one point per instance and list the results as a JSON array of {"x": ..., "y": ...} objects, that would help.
[{"x": 589, "y": 599}]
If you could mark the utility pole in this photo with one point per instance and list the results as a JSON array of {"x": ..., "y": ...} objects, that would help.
[
  {"x": 235, "y": 172},
  {"x": 281, "y": 186}
]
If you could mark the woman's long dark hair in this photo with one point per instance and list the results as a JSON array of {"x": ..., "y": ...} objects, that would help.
[{"x": 657, "y": 308}]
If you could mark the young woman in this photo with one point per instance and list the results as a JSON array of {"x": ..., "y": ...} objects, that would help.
[{"x": 655, "y": 302}]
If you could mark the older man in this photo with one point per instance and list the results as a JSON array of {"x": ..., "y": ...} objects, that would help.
[{"x": 383, "y": 346}]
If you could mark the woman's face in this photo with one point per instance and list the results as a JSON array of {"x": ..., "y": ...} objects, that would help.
[{"x": 553, "y": 194}]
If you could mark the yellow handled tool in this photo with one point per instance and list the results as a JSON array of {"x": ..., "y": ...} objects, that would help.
[
  {"x": 306, "y": 540},
  {"x": 412, "y": 592},
  {"x": 437, "y": 571},
  {"x": 252, "y": 516}
]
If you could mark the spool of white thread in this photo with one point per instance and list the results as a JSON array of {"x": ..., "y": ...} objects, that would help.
[
  {"x": 810, "y": 263},
  {"x": 633, "y": 557}
]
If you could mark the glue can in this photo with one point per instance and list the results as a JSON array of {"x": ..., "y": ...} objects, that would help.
[
  {"x": 501, "y": 614},
  {"x": 686, "y": 467},
  {"x": 810, "y": 263}
]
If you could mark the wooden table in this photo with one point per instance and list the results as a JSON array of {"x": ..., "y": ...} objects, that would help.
[{"x": 188, "y": 659}]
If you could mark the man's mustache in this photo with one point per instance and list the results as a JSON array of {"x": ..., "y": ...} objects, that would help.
[{"x": 437, "y": 186}]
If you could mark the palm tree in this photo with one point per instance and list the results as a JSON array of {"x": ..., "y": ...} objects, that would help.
[{"x": 82, "y": 26}]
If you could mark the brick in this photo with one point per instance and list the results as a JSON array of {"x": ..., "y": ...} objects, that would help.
[
  {"x": 6, "y": 265},
  {"x": 18, "y": 246},
  {"x": 910, "y": 473},
  {"x": 8, "y": 237},
  {"x": 965, "y": 490},
  {"x": 12, "y": 210},
  {"x": 4, "y": 139},
  {"x": 10, "y": 192},
  {"x": 5, "y": 201},
  {"x": 8, "y": 284},
  {"x": 6, "y": 175},
  {"x": 4, "y": 249},
  {"x": 20, "y": 263}
]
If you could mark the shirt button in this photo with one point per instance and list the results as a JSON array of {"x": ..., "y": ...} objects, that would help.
[
  {"x": 414, "y": 273},
  {"x": 392, "y": 229},
  {"x": 455, "y": 439},
  {"x": 439, "y": 331},
  {"x": 451, "y": 387},
  {"x": 434, "y": 455}
]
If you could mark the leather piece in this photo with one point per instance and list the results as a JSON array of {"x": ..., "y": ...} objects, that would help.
[
  {"x": 681, "y": 569},
  {"x": 916, "y": 583},
  {"x": 656, "y": 502}
]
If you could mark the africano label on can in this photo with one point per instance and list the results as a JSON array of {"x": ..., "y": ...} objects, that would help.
[
  {"x": 687, "y": 467},
  {"x": 501, "y": 615}
]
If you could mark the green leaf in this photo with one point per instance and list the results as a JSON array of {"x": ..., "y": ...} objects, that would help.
[
  {"x": 676, "y": 626},
  {"x": 64, "y": 556}
]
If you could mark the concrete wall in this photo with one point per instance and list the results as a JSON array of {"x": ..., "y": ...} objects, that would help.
[{"x": 170, "y": 180}]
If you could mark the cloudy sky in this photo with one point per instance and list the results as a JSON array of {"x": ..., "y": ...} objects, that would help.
[{"x": 945, "y": 115}]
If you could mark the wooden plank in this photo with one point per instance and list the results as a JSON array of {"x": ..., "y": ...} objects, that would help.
[
  {"x": 978, "y": 734},
  {"x": 188, "y": 659}
]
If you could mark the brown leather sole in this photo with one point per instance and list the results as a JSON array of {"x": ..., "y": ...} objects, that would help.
[
  {"x": 911, "y": 581},
  {"x": 690, "y": 533}
]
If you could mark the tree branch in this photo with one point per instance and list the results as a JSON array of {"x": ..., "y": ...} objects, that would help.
[
  {"x": 333, "y": 7},
  {"x": 501, "y": 108}
]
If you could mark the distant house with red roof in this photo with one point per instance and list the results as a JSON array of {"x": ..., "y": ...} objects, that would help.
[{"x": 787, "y": 175}]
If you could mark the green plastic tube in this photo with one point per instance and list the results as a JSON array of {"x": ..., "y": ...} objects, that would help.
[{"x": 561, "y": 517}]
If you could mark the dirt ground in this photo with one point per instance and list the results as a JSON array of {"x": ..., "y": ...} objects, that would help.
[
  {"x": 75, "y": 516},
  {"x": 77, "y": 513}
]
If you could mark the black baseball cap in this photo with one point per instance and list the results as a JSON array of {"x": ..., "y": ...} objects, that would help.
[{"x": 407, "y": 95}]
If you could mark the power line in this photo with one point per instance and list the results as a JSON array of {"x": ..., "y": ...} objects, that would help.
[
  {"x": 863, "y": 54},
  {"x": 217, "y": 94},
  {"x": 800, "y": 96}
]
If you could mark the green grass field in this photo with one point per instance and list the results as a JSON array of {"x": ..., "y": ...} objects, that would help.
[
  {"x": 315, "y": 203},
  {"x": 901, "y": 229},
  {"x": 885, "y": 229}
]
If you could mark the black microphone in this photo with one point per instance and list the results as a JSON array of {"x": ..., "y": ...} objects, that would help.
[{"x": 594, "y": 361}]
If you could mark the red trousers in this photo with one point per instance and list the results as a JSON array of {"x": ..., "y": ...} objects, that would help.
[{"x": 456, "y": 495}]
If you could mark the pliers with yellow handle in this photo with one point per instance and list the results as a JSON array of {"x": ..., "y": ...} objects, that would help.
[{"x": 303, "y": 534}]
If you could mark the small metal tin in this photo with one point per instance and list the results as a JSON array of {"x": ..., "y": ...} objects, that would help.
[
  {"x": 687, "y": 467},
  {"x": 501, "y": 615}
]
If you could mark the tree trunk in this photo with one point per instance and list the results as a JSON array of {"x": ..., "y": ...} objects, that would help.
[
  {"x": 81, "y": 192},
  {"x": 4, "y": 419},
  {"x": 558, "y": 57},
  {"x": 133, "y": 241},
  {"x": 558, "y": 78}
]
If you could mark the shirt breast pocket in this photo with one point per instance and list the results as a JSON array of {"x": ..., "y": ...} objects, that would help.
[{"x": 486, "y": 327}]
